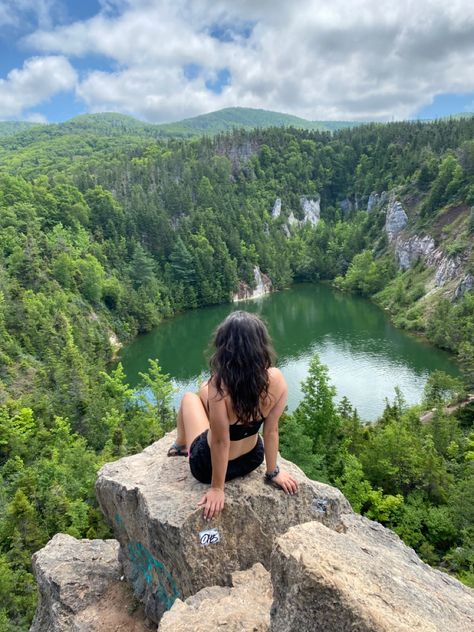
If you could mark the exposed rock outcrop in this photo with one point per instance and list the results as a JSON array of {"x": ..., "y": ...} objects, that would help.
[
  {"x": 245, "y": 606},
  {"x": 292, "y": 221},
  {"x": 446, "y": 268},
  {"x": 376, "y": 201},
  {"x": 347, "y": 206},
  {"x": 80, "y": 588},
  {"x": 237, "y": 151},
  {"x": 362, "y": 579},
  {"x": 150, "y": 501},
  {"x": 331, "y": 569},
  {"x": 276, "y": 210},
  {"x": 310, "y": 207},
  {"x": 263, "y": 285},
  {"x": 465, "y": 285},
  {"x": 396, "y": 218},
  {"x": 311, "y": 210},
  {"x": 411, "y": 249}
]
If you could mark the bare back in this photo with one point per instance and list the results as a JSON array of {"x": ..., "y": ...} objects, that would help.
[{"x": 269, "y": 405}]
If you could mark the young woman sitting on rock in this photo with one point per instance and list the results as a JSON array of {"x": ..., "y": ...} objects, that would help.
[{"x": 220, "y": 425}]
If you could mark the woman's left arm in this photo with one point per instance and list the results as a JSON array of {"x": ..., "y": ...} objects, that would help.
[{"x": 271, "y": 437}]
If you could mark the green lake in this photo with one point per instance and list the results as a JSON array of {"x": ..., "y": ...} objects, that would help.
[{"x": 366, "y": 355}]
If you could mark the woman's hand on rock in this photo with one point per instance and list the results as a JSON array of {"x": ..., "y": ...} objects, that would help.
[
  {"x": 213, "y": 502},
  {"x": 286, "y": 482}
]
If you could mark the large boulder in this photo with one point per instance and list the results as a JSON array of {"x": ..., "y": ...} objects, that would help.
[
  {"x": 80, "y": 588},
  {"x": 363, "y": 578},
  {"x": 150, "y": 500},
  {"x": 245, "y": 606}
]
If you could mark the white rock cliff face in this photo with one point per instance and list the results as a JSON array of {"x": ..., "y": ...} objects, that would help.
[
  {"x": 311, "y": 209},
  {"x": 311, "y": 213},
  {"x": 446, "y": 269},
  {"x": 263, "y": 285},
  {"x": 408, "y": 249},
  {"x": 276, "y": 210},
  {"x": 376, "y": 201},
  {"x": 465, "y": 285},
  {"x": 396, "y": 219},
  {"x": 411, "y": 249}
]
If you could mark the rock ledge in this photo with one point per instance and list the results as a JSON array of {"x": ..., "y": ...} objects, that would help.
[
  {"x": 245, "y": 606},
  {"x": 150, "y": 500},
  {"x": 80, "y": 588}
]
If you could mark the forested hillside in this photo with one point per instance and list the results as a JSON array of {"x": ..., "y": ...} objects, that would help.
[
  {"x": 248, "y": 119},
  {"x": 103, "y": 235},
  {"x": 10, "y": 128}
]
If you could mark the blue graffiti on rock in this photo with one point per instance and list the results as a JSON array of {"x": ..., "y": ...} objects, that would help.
[{"x": 149, "y": 571}]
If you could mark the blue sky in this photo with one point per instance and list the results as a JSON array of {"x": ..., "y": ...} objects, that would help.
[{"x": 163, "y": 60}]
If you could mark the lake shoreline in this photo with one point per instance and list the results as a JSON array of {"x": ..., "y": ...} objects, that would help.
[
  {"x": 365, "y": 353},
  {"x": 416, "y": 334}
]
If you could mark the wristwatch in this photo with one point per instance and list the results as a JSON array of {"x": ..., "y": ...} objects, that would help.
[{"x": 269, "y": 476}]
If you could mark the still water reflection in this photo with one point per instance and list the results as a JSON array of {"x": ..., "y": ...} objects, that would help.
[{"x": 367, "y": 357}]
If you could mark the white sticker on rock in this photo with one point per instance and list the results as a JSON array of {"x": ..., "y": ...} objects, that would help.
[{"x": 209, "y": 536}]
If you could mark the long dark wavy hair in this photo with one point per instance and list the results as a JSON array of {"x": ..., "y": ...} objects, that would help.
[{"x": 243, "y": 354}]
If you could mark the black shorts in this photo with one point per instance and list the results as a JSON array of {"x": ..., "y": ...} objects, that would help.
[{"x": 201, "y": 466}]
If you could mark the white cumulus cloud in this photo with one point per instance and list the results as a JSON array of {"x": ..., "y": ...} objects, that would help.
[
  {"x": 348, "y": 59},
  {"x": 38, "y": 80},
  {"x": 14, "y": 13}
]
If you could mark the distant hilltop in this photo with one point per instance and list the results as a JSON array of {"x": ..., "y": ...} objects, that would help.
[
  {"x": 251, "y": 118},
  {"x": 211, "y": 123},
  {"x": 227, "y": 119}
]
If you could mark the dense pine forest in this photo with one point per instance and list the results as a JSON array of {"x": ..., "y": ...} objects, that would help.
[{"x": 106, "y": 230}]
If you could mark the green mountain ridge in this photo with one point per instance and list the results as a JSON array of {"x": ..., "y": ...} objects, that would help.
[
  {"x": 10, "y": 128},
  {"x": 211, "y": 123},
  {"x": 250, "y": 118}
]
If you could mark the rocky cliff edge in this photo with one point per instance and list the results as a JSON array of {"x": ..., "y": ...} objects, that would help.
[{"x": 308, "y": 560}]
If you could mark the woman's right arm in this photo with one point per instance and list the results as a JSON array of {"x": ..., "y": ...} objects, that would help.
[
  {"x": 219, "y": 443},
  {"x": 271, "y": 435}
]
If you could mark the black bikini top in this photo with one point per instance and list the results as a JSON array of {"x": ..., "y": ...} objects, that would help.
[{"x": 238, "y": 431}]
